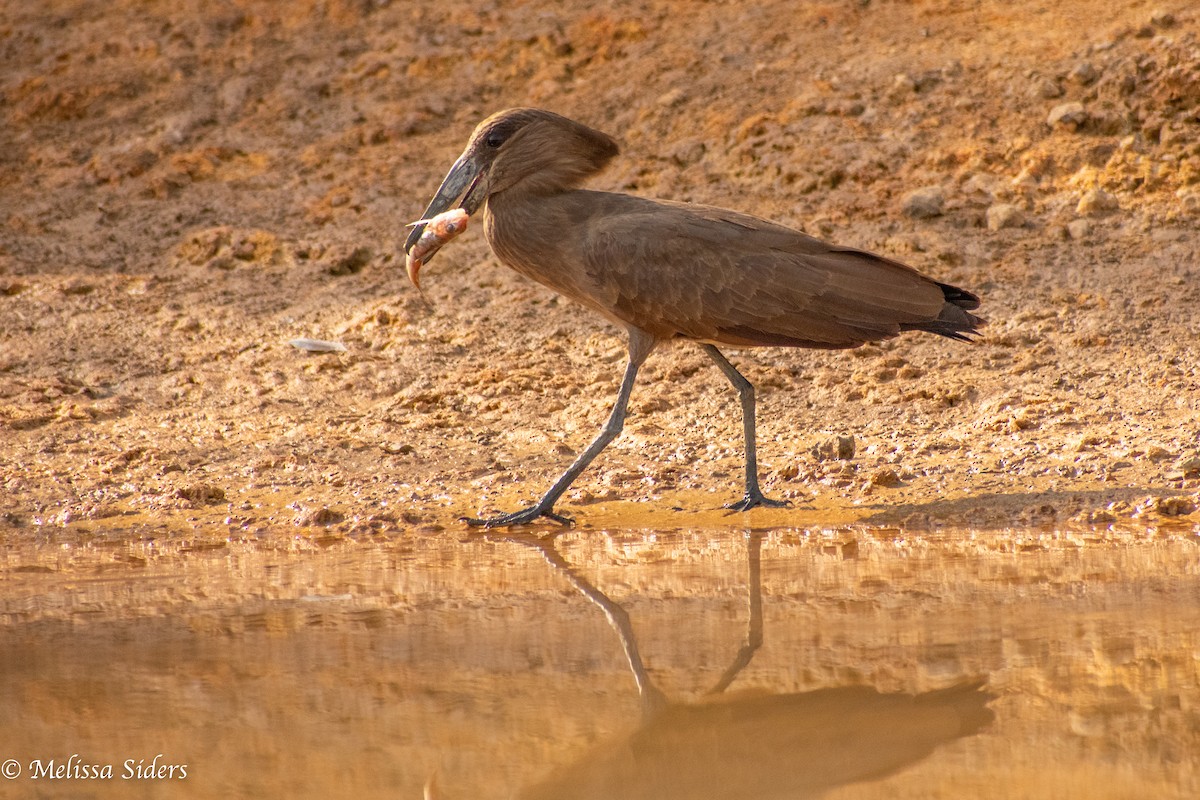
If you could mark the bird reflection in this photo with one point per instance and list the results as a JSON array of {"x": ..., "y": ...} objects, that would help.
[{"x": 797, "y": 745}]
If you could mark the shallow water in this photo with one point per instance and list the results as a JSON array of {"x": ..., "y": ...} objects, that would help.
[{"x": 846, "y": 663}]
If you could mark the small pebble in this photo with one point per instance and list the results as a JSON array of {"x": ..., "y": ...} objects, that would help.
[
  {"x": 318, "y": 516},
  {"x": 1162, "y": 19},
  {"x": 1079, "y": 228},
  {"x": 1157, "y": 453},
  {"x": 672, "y": 98},
  {"x": 201, "y": 494},
  {"x": 244, "y": 249},
  {"x": 1026, "y": 179},
  {"x": 1067, "y": 115},
  {"x": 349, "y": 263},
  {"x": 1096, "y": 201},
  {"x": 924, "y": 203},
  {"x": 1190, "y": 467},
  {"x": 886, "y": 478},
  {"x": 1094, "y": 517},
  {"x": 1004, "y": 215},
  {"x": 1084, "y": 73},
  {"x": 1174, "y": 506},
  {"x": 1047, "y": 89},
  {"x": 902, "y": 86},
  {"x": 840, "y": 448}
]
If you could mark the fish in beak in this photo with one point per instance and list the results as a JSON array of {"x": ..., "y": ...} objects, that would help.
[
  {"x": 461, "y": 194},
  {"x": 436, "y": 231}
]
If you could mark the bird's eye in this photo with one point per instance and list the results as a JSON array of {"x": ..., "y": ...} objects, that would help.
[{"x": 494, "y": 139}]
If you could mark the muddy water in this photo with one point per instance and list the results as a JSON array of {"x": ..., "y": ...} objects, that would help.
[{"x": 845, "y": 663}]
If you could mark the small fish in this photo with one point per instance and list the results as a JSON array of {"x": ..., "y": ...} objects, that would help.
[{"x": 438, "y": 231}]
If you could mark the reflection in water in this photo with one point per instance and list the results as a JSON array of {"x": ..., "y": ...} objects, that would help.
[
  {"x": 761, "y": 746},
  {"x": 281, "y": 665}
]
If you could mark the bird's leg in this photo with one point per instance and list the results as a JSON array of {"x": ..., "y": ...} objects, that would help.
[
  {"x": 640, "y": 345},
  {"x": 754, "y": 496}
]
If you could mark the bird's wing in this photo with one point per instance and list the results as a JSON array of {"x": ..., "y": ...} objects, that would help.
[{"x": 719, "y": 276}]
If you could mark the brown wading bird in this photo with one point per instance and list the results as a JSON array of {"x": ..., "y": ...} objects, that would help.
[{"x": 665, "y": 270}]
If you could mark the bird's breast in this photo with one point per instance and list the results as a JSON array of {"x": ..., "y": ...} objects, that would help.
[{"x": 543, "y": 242}]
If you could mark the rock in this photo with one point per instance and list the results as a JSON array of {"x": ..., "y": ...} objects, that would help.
[
  {"x": 1067, "y": 115},
  {"x": 1189, "y": 467},
  {"x": 1046, "y": 88},
  {"x": 1097, "y": 517},
  {"x": 317, "y": 516},
  {"x": 902, "y": 86},
  {"x": 1174, "y": 506},
  {"x": 1004, "y": 215},
  {"x": 1083, "y": 74},
  {"x": 1173, "y": 134},
  {"x": 1027, "y": 179},
  {"x": 1095, "y": 202},
  {"x": 672, "y": 98},
  {"x": 77, "y": 288},
  {"x": 840, "y": 448},
  {"x": 687, "y": 152},
  {"x": 886, "y": 478},
  {"x": 200, "y": 494},
  {"x": 1156, "y": 453},
  {"x": 924, "y": 203},
  {"x": 1079, "y": 229},
  {"x": 1162, "y": 19},
  {"x": 1107, "y": 123},
  {"x": 981, "y": 183},
  {"x": 348, "y": 263},
  {"x": 789, "y": 471},
  {"x": 845, "y": 447}
]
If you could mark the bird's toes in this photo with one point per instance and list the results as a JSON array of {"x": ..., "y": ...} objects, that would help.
[
  {"x": 756, "y": 499},
  {"x": 561, "y": 519},
  {"x": 526, "y": 516}
]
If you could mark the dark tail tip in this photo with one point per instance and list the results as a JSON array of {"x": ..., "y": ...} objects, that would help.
[
  {"x": 954, "y": 321},
  {"x": 959, "y": 297}
]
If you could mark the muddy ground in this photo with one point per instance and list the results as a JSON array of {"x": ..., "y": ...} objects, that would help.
[{"x": 187, "y": 187}]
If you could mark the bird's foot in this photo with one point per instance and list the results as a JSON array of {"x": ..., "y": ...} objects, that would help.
[
  {"x": 755, "y": 498},
  {"x": 526, "y": 516}
]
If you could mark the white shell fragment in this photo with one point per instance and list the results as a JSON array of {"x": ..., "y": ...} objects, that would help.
[{"x": 318, "y": 346}]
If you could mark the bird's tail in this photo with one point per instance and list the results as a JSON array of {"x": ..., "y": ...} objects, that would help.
[{"x": 954, "y": 321}]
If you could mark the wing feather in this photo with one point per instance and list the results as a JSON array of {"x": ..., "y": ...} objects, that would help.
[{"x": 719, "y": 276}]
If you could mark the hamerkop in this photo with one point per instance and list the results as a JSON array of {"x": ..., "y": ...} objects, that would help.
[{"x": 666, "y": 270}]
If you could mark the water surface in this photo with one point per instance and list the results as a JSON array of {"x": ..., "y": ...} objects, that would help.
[{"x": 846, "y": 663}]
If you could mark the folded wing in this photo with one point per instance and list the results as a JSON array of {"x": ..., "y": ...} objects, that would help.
[{"x": 719, "y": 276}]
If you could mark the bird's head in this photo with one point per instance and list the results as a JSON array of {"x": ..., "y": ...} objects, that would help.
[{"x": 522, "y": 149}]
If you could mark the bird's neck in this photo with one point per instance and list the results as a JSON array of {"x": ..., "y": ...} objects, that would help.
[
  {"x": 526, "y": 229},
  {"x": 543, "y": 237}
]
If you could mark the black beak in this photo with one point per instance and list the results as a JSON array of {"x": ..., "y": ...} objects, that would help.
[{"x": 464, "y": 181}]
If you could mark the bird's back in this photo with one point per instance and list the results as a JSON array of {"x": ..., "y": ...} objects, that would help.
[{"x": 714, "y": 275}]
